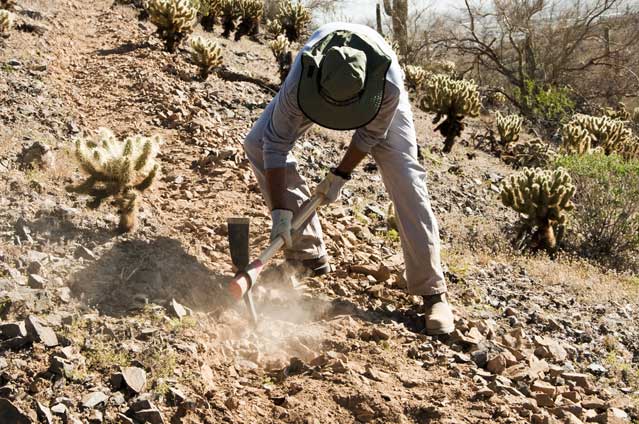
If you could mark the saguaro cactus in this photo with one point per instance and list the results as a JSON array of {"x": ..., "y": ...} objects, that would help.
[
  {"x": 281, "y": 49},
  {"x": 452, "y": 99},
  {"x": 251, "y": 13},
  {"x": 6, "y": 21},
  {"x": 398, "y": 11},
  {"x": 206, "y": 54},
  {"x": 294, "y": 18},
  {"x": 542, "y": 197},
  {"x": 174, "y": 20},
  {"x": 415, "y": 77},
  {"x": 509, "y": 128},
  {"x": 118, "y": 169},
  {"x": 229, "y": 13}
]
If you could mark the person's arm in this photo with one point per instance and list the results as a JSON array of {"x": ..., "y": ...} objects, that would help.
[
  {"x": 276, "y": 186},
  {"x": 351, "y": 159}
]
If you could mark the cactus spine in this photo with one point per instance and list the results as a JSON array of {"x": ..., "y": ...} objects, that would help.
[
  {"x": 281, "y": 49},
  {"x": 452, "y": 99},
  {"x": 251, "y": 13},
  {"x": 294, "y": 18},
  {"x": 6, "y": 21},
  {"x": 509, "y": 128},
  {"x": 119, "y": 169},
  {"x": 542, "y": 197},
  {"x": 206, "y": 54},
  {"x": 174, "y": 20},
  {"x": 415, "y": 77}
]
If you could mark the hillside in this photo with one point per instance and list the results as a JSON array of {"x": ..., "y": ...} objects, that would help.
[{"x": 100, "y": 327}]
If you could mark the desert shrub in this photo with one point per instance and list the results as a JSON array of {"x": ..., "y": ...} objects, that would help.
[
  {"x": 547, "y": 105},
  {"x": 118, "y": 169},
  {"x": 250, "y": 13},
  {"x": 281, "y": 49},
  {"x": 209, "y": 11},
  {"x": 174, "y": 20},
  {"x": 6, "y": 21},
  {"x": 542, "y": 198},
  {"x": 508, "y": 128},
  {"x": 586, "y": 134},
  {"x": 530, "y": 154},
  {"x": 452, "y": 99},
  {"x": 294, "y": 19},
  {"x": 415, "y": 77},
  {"x": 606, "y": 216},
  {"x": 206, "y": 54},
  {"x": 229, "y": 13}
]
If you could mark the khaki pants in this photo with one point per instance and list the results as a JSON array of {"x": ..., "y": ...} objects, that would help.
[{"x": 404, "y": 179}]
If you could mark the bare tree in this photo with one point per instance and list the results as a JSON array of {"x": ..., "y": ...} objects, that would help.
[{"x": 548, "y": 42}]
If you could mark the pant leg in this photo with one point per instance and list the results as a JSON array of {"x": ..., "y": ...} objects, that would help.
[
  {"x": 309, "y": 244},
  {"x": 404, "y": 179}
]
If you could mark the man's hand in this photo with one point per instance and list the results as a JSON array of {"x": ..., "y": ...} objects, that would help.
[
  {"x": 282, "y": 225},
  {"x": 331, "y": 187}
]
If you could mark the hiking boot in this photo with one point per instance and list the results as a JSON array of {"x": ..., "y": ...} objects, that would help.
[
  {"x": 438, "y": 315},
  {"x": 312, "y": 267}
]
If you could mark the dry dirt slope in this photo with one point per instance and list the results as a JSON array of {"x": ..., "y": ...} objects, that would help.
[{"x": 537, "y": 341}]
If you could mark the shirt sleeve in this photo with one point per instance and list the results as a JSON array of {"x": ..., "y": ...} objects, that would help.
[
  {"x": 285, "y": 126},
  {"x": 375, "y": 132}
]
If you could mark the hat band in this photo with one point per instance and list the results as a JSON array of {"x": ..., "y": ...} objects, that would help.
[{"x": 334, "y": 102}]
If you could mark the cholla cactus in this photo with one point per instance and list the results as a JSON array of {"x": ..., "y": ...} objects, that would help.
[
  {"x": 209, "y": 11},
  {"x": 620, "y": 112},
  {"x": 118, "y": 169},
  {"x": 415, "y": 77},
  {"x": 635, "y": 116},
  {"x": 530, "y": 154},
  {"x": 206, "y": 54},
  {"x": 629, "y": 148},
  {"x": 230, "y": 13},
  {"x": 281, "y": 49},
  {"x": 583, "y": 133},
  {"x": 274, "y": 27},
  {"x": 542, "y": 197},
  {"x": 454, "y": 99},
  {"x": 6, "y": 21},
  {"x": 294, "y": 18},
  {"x": 251, "y": 13},
  {"x": 446, "y": 67},
  {"x": 174, "y": 19},
  {"x": 509, "y": 128}
]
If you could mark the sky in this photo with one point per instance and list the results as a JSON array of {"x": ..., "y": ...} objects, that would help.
[{"x": 361, "y": 11}]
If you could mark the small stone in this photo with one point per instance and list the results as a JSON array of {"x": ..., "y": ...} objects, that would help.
[
  {"x": 177, "y": 309},
  {"x": 44, "y": 413},
  {"x": 84, "y": 253},
  {"x": 597, "y": 369},
  {"x": 12, "y": 329},
  {"x": 36, "y": 281},
  {"x": 580, "y": 380},
  {"x": 510, "y": 312},
  {"x": 59, "y": 409},
  {"x": 152, "y": 416},
  {"x": 93, "y": 399},
  {"x": 9, "y": 413},
  {"x": 61, "y": 366},
  {"x": 39, "y": 333},
  {"x": 484, "y": 393},
  {"x": 544, "y": 400},
  {"x": 544, "y": 387},
  {"x": 593, "y": 403},
  {"x": 134, "y": 378},
  {"x": 96, "y": 416}
]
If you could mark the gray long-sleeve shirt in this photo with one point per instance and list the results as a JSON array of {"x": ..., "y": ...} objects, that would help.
[{"x": 288, "y": 122}]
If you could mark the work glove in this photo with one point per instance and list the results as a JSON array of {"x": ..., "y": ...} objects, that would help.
[
  {"x": 331, "y": 187},
  {"x": 282, "y": 225}
]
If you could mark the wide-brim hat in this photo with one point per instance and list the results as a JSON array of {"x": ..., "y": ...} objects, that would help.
[{"x": 356, "y": 111}]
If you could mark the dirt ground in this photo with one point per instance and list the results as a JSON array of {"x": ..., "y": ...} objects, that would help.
[{"x": 348, "y": 347}]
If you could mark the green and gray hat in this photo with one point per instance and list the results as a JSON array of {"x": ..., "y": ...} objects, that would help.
[{"x": 342, "y": 81}]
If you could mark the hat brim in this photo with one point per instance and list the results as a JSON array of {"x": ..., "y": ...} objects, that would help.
[{"x": 356, "y": 113}]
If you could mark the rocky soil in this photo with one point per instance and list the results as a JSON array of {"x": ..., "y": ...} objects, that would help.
[{"x": 100, "y": 327}]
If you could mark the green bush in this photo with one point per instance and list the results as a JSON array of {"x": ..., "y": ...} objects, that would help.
[
  {"x": 606, "y": 215},
  {"x": 548, "y": 105}
]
